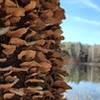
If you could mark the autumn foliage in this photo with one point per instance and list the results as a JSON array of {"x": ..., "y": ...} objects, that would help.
[{"x": 30, "y": 59}]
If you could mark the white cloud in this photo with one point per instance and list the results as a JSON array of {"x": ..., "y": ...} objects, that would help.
[
  {"x": 87, "y": 21},
  {"x": 90, "y": 4},
  {"x": 87, "y": 3}
]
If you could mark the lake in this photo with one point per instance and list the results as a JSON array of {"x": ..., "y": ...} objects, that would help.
[{"x": 85, "y": 82}]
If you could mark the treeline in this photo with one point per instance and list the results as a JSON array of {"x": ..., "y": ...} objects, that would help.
[{"x": 81, "y": 52}]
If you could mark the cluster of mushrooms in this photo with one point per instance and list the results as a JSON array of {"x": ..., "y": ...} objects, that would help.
[{"x": 31, "y": 65}]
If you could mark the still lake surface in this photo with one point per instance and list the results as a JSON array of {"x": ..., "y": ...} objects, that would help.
[{"x": 85, "y": 83}]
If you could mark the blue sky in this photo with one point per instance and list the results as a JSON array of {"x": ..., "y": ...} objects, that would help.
[{"x": 82, "y": 23}]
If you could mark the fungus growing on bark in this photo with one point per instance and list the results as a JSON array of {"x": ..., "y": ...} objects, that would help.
[{"x": 30, "y": 59}]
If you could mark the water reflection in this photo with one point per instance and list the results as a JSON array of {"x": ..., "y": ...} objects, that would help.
[
  {"x": 85, "y": 83},
  {"x": 83, "y": 72},
  {"x": 83, "y": 91}
]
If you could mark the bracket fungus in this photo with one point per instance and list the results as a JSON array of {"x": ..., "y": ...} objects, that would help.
[{"x": 31, "y": 65}]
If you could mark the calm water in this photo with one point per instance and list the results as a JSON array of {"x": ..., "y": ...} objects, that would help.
[{"x": 85, "y": 83}]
